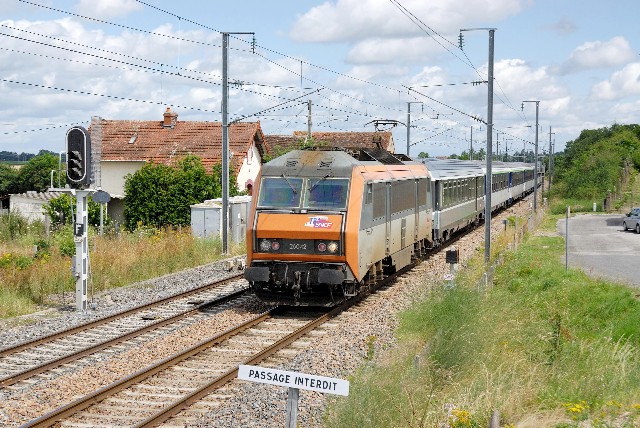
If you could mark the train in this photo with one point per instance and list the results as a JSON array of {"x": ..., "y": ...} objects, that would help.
[{"x": 327, "y": 224}]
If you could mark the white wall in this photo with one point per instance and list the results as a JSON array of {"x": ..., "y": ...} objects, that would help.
[
  {"x": 27, "y": 207},
  {"x": 113, "y": 173},
  {"x": 250, "y": 168}
]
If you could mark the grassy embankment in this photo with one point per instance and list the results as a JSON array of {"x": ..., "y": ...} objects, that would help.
[
  {"x": 29, "y": 279},
  {"x": 544, "y": 347}
]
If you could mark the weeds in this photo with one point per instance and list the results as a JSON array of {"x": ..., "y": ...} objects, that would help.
[
  {"x": 31, "y": 278},
  {"x": 541, "y": 344}
]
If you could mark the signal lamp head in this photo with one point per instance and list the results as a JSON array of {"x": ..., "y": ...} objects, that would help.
[
  {"x": 322, "y": 247},
  {"x": 275, "y": 245}
]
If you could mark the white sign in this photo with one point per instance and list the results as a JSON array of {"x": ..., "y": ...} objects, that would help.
[{"x": 327, "y": 385}]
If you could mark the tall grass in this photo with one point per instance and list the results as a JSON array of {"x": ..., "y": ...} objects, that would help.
[
  {"x": 30, "y": 279},
  {"x": 542, "y": 346}
]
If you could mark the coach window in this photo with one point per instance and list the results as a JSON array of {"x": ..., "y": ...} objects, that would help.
[{"x": 368, "y": 198}]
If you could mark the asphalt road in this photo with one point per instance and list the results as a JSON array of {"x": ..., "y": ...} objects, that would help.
[{"x": 599, "y": 246}]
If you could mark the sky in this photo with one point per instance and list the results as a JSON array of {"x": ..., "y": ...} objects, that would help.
[{"x": 361, "y": 63}]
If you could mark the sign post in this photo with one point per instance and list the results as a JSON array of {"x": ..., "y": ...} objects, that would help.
[
  {"x": 292, "y": 408},
  {"x": 295, "y": 381}
]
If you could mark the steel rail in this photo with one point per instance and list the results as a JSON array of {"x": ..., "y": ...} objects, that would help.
[
  {"x": 185, "y": 402},
  {"x": 67, "y": 332},
  {"x": 115, "y": 387},
  {"x": 166, "y": 413},
  {"x": 26, "y": 374}
]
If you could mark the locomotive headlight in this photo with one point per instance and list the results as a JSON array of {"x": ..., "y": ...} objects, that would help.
[
  {"x": 322, "y": 247},
  {"x": 332, "y": 247},
  {"x": 265, "y": 245},
  {"x": 275, "y": 245}
]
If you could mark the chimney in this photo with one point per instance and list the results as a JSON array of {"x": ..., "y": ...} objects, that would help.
[{"x": 170, "y": 118}]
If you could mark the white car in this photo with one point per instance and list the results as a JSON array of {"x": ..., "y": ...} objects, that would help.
[{"x": 632, "y": 220}]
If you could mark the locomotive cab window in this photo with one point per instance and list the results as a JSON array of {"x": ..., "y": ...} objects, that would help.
[
  {"x": 326, "y": 193},
  {"x": 280, "y": 192}
]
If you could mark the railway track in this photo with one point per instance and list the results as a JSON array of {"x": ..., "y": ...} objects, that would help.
[
  {"x": 155, "y": 394},
  {"x": 134, "y": 402},
  {"x": 26, "y": 360}
]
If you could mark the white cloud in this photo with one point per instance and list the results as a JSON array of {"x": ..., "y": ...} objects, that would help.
[
  {"x": 598, "y": 54},
  {"x": 384, "y": 51},
  {"x": 105, "y": 9},
  {"x": 623, "y": 83},
  {"x": 354, "y": 20}
]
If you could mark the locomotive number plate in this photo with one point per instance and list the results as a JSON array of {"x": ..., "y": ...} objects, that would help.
[{"x": 298, "y": 246}]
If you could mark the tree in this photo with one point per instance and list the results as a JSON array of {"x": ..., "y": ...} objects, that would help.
[
  {"x": 8, "y": 177},
  {"x": 160, "y": 195},
  {"x": 36, "y": 173},
  {"x": 423, "y": 155},
  {"x": 593, "y": 164},
  {"x": 59, "y": 211}
]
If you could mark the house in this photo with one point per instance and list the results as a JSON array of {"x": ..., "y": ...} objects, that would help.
[
  {"x": 347, "y": 140},
  {"x": 30, "y": 204},
  {"x": 122, "y": 147}
]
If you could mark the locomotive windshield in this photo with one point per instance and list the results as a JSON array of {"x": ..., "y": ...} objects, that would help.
[
  {"x": 319, "y": 193},
  {"x": 326, "y": 193},
  {"x": 280, "y": 192}
]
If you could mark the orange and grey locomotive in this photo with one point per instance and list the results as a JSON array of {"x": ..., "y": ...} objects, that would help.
[{"x": 327, "y": 224}]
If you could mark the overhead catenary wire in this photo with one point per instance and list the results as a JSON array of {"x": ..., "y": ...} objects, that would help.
[
  {"x": 205, "y": 43},
  {"x": 242, "y": 85}
]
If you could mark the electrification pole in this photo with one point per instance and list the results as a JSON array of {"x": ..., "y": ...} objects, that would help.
[
  {"x": 471, "y": 145},
  {"x": 225, "y": 141},
  {"x": 309, "y": 120},
  {"x": 489, "y": 174},
  {"x": 550, "y": 155},
  {"x": 535, "y": 162}
]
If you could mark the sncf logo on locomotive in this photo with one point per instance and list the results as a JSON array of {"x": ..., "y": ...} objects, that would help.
[{"x": 321, "y": 222}]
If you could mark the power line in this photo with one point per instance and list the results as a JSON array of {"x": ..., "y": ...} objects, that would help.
[
  {"x": 241, "y": 84},
  {"x": 126, "y": 27},
  {"x": 75, "y": 91},
  {"x": 40, "y": 129}
]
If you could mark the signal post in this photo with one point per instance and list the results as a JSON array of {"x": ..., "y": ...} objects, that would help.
[
  {"x": 78, "y": 171},
  {"x": 80, "y": 262}
]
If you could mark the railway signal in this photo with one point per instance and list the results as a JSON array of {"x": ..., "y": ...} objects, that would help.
[{"x": 78, "y": 157}]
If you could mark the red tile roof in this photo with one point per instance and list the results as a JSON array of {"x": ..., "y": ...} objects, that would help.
[
  {"x": 282, "y": 141},
  {"x": 150, "y": 141},
  {"x": 352, "y": 140}
]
